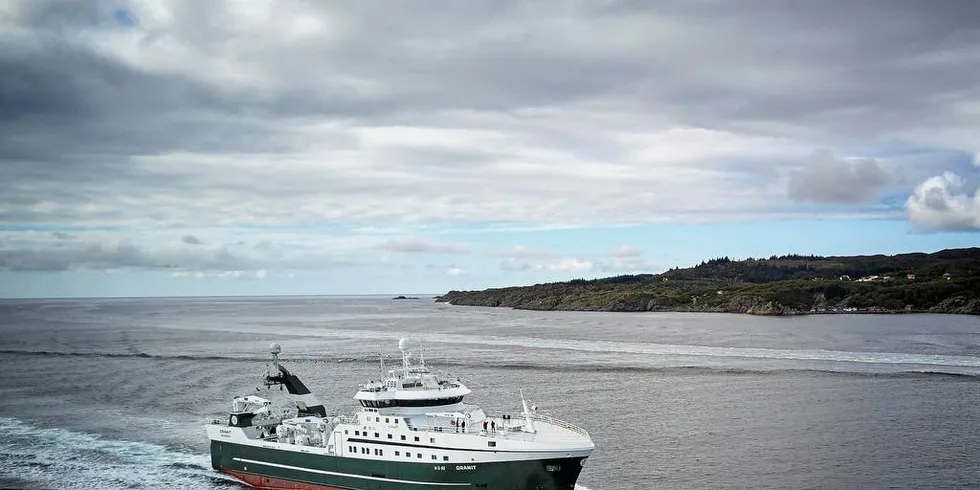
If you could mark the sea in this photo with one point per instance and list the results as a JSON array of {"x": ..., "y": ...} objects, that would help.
[{"x": 115, "y": 393}]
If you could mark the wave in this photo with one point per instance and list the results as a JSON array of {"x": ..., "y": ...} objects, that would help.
[
  {"x": 643, "y": 348},
  {"x": 698, "y": 370},
  {"x": 129, "y": 355},
  {"x": 61, "y": 458},
  {"x": 845, "y": 369},
  {"x": 703, "y": 370}
]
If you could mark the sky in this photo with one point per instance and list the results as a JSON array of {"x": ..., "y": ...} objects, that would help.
[{"x": 261, "y": 147}]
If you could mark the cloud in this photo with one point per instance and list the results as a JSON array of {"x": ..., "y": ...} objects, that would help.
[
  {"x": 524, "y": 252},
  {"x": 233, "y": 274},
  {"x": 943, "y": 202},
  {"x": 513, "y": 264},
  {"x": 197, "y": 101},
  {"x": 570, "y": 265},
  {"x": 420, "y": 245},
  {"x": 115, "y": 253},
  {"x": 173, "y": 119},
  {"x": 828, "y": 179},
  {"x": 158, "y": 250},
  {"x": 455, "y": 272},
  {"x": 626, "y": 251},
  {"x": 626, "y": 259}
]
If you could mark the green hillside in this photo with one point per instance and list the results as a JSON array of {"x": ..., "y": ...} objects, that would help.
[{"x": 943, "y": 282}]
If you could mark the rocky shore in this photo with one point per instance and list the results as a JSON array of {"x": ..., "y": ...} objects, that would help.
[{"x": 955, "y": 305}]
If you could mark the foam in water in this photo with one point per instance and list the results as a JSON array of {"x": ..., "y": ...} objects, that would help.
[
  {"x": 62, "y": 459},
  {"x": 820, "y": 355}
]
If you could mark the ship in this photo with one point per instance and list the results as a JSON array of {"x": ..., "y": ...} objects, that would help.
[{"x": 412, "y": 430}]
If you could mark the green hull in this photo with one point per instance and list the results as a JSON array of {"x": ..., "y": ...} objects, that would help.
[{"x": 270, "y": 468}]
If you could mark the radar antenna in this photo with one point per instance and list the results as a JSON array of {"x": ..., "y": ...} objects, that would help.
[
  {"x": 403, "y": 346},
  {"x": 275, "y": 349}
]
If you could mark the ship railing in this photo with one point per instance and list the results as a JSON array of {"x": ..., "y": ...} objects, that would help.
[
  {"x": 558, "y": 422},
  {"x": 506, "y": 427}
]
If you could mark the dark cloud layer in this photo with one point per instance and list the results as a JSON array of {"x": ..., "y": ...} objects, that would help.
[
  {"x": 826, "y": 178},
  {"x": 217, "y": 113}
]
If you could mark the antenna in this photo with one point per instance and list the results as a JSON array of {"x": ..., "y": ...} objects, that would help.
[
  {"x": 275, "y": 349},
  {"x": 382, "y": 356},
  {"x": 528, "y": 418},
  {"x": 421, "y": 354},
  {"x": 403, "y": 346}
]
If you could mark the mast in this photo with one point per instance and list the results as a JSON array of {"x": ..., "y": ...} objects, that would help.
[
  {"x": 382, "y": 356},
  {"x": 528, "y": 422}
]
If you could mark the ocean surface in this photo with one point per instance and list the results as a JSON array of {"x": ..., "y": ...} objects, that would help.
[{"x": 115, "y": 393}]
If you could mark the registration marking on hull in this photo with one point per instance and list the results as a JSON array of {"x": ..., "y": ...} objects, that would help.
[{"x": 348, "y": 475}]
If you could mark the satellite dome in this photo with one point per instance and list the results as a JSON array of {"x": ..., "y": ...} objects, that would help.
[
  {"x": 274, "y": 348},
  {"x": 403, "y": 344}
]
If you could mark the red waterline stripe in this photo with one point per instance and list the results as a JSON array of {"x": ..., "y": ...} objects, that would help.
[{"x": 259, "y": 481}]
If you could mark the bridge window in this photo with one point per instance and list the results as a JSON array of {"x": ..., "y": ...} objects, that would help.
[
  {"x": 492, "y": 443},
  {"x": 435, "y": 402},
  {"x": 445, "y": 458},
  {"x": 403, "y": 437}
]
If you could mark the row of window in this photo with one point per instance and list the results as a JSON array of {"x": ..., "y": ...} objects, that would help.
[
  {"x": 377, "y": 435},
  {"x": 432, "y": 402},
  {"x": 432, "y": 440},
  {"x": 381, "y": 452}
]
